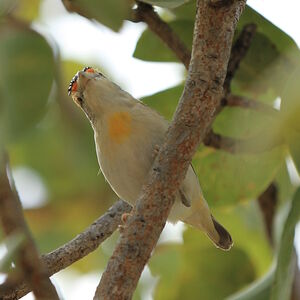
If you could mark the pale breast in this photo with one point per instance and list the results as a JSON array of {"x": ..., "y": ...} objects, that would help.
[{"x": 126, "y": 157}]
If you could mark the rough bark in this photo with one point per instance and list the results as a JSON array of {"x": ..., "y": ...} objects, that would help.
[
  {"x": 80, "y": 246},
  {"x": 213, "y": 34}
]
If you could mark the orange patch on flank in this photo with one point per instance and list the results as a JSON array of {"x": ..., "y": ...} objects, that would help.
[{"x": 119, "y": 126}]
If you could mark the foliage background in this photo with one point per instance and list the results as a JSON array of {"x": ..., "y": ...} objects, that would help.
[{"x": 51, "y": 143}]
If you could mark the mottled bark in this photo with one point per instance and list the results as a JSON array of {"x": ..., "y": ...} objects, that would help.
[
  {"x": 213, "y": 34},
  {"x": 79, "y": 247}
]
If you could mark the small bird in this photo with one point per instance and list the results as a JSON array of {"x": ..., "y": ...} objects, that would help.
[{"x": 127, "y": 135}]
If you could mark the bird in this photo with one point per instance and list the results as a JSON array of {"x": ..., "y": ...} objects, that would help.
[{"x": 127, "y": 135}]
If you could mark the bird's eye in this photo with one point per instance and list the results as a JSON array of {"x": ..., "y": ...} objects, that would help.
[{"x": 79, "y": 101}]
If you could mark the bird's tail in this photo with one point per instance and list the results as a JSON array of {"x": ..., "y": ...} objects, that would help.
[
  {"x": 224, "y": 240},
  {"x": 202, "y": 219}
]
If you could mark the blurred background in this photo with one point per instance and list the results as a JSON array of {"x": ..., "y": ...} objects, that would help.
[{"x": 51, "y": 146}]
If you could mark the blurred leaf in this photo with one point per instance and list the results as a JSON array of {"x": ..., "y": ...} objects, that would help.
[
  {"x": 282, "y": 41},
  {"x": 295, "y": 150},
  {"x": 227, "y": 179},
  {"x": 243, "y": 123},
  {"x": 12, "y": 245},
  {"x": 279, "y": 38},
  {"x": 165, "y": 102},
  {"x": 26, "y": 77},
  {"x": 197, "y": 268},
  {"x": 246, "y": 226},
  {"x": 27, "y": 10},
  {"x": 110, "y": 13},
  {"x": 260, "y": 67},
  {"x": 166, "y": 3},
  {"x": 290, "y": 125},
  {"x": 269, "y": 60},
  {"x": 150, "y": 48},
  {"x": 258, "y": 290},
  {"x": 286, "y": 261},
  {"x": 284, "y": 185},
  {"x": 186, "y": 11},
  {"x": 54, "y": 225}
]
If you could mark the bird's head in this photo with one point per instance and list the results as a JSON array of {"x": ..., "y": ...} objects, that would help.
[{"x": 96, "y": 95}]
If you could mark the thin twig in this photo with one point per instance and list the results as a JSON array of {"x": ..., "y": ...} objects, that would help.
[
  {"x": 244, "y": 102},
  {"x": 267, "y": 202},
  {"x": 13, "y": 222},
  {"x": 194, "y": 115},
  {"x": 79, "y": 247},
  {"x": 252, "y": 145},
  {"x": 238, "y": 52},
  {"x": 144, "y": 12}
]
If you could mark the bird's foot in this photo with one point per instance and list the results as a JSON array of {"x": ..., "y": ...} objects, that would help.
[
  {"x": 124, "y": 219},
  {"x": 155, "y": 151}
]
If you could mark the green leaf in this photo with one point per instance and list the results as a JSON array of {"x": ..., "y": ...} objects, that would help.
[
  {"x": 258, "y": 70},
  {"x": 290, "y": 125},
  {"x": 258, "y": 290},
  {"x": 286, "y": 262},
  {"x": 110, "y": 13},
  {"x": 27, "y": 10},
  {"x": 227, "y": 179},
  {"x": 285, "y": 187},
  {"x": 186, "y": 11},
  {"x": 282, "y": 41},
  {"x": 279, "y": 38},
  {"x": 26, "y": 77},
  {"x": 150, "y": 48},
  {"x": 166, "y": 3},
  {"x": 198, "y": 268},
  {"x": 165, "y": 102},
  {"x": 269, "y": 61}
]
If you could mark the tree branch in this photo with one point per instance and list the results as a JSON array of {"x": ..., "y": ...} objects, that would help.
[
  {"x": 267, "y": 202},
  {"x": 80, "y": 246},
  {"x": 238, "y": 52},
  {"x": 214, "y": 28},
  {"x": 244, "y": 102},
  {"x": 144, "y": 12},
  {"x": 28, "y": 264},
  {"x": 241, "y": 146}
]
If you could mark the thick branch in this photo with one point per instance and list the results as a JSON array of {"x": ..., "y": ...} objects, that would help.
[
  {"x": 27, "y": 259},
  {"x": 80, "y": 246},
  {"x": 214, "y": 28},
  {"x": 144, "y": 12}
]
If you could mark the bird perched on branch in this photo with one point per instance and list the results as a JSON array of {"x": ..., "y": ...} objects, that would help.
[{"x": 127, "y": 134}]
